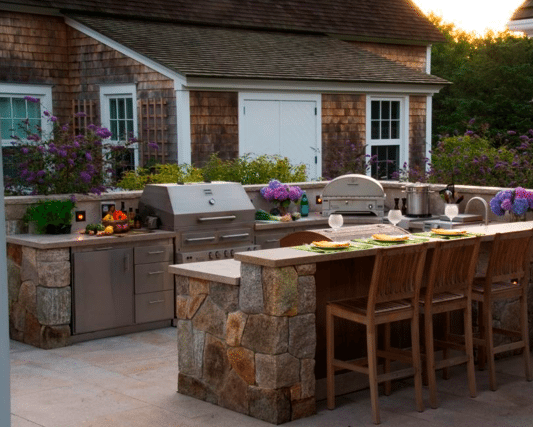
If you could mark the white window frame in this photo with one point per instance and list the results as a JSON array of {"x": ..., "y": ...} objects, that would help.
[
  {"x": 42, "y": 92},
  {"x": 403, "y": 141},
  {"x": 120, "y": 90}
]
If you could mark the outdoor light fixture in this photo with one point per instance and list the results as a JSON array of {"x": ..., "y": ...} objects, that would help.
[
  {"x": 80, "y": 216},
  {"x": 318, "y": 200}
]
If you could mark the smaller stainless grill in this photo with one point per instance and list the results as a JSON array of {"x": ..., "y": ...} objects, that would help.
[{"x": 353, "y": 194}]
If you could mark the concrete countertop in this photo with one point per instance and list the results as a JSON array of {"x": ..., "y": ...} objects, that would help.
[
  {"x": 283, "y": 257},
  {"x": 224, "y": 271},
  {"x": 55, "y": 241}
]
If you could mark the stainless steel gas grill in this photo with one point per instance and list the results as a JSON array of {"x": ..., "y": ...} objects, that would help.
[
  {"x": 354, "y": 195},
  {"x": 213, "y": 220}
]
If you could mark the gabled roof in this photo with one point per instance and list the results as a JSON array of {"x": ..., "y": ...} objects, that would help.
[
  {"x": 398, "y": 20},
  {"x": 205, "y": 51},
  {"x": 525, "y": 11}
]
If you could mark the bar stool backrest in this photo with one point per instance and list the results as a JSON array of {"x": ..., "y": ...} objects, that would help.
[
  {"x": 510, "y": 257},
  {"x": 397, "y": 274},
  {"x": 453, "y": 266}
]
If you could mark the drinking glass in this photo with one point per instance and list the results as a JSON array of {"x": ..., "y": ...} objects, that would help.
[
  {"x": 451, "y": 210},
  {"x": 394, "y": 216},
  {"x": 335, "y": 221}
]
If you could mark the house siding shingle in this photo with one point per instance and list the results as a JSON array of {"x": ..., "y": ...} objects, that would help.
[
  {"x": 343, "y": 124},
  {"x": 417, "y": 131},
  {"x": 214, "y": 125},
  {"x": 409, "y": 55}
]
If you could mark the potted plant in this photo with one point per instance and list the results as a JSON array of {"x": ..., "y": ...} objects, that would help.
[
  {"x": 517, "y": 202},
  {"x": 281, "y": 195},
  {"x": 51, "y": 216}
]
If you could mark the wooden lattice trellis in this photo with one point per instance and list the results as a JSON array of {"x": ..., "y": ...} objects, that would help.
[
  {"x": 79, "y": 123},
  {"x": 152, "y": 128}
]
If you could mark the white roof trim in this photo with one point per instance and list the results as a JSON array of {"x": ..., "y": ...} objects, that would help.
[
  {"x": 194, "y": 83},
  {"x": 178, "y": 78}
]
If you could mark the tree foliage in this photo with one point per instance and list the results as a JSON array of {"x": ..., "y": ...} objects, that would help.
[{"x": 492, "y": 80}]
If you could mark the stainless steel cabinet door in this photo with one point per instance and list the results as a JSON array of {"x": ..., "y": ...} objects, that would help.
[{"x": 103, "y": 289}]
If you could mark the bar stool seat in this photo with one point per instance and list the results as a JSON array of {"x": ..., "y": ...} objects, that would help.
[{"x": 393, "y": 296}]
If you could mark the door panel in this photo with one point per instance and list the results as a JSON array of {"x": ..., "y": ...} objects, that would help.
[{"x": 262, "y": 127}]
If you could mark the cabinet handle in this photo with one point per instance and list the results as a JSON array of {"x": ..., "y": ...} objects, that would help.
[
  {"x": 200, "y": 239},
  {"x": 155, "y": 272},
  {"x": 234, "y": 236},
  {"x": 272, "y": 241},
  {"x": 217, "y": 218},
  {"x": 155, "y": 302},
  {"x": 104, "y": 249},
  {"x": 127, "y": 263},
  {"x": 156, "y": 252}
]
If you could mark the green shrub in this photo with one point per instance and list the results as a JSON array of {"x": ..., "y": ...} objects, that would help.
[{"x": 159, "y": 174}]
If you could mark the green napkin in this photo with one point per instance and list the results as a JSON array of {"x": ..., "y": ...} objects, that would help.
[
  {"x": 351, "y": 248},
  {"x": 372, "y": 242}
]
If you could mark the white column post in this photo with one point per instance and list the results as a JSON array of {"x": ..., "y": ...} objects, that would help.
[
  {"x": 429, "y": 130},
  {"x": 5, "y": 401},
  {"x": 183, "y": 122}
]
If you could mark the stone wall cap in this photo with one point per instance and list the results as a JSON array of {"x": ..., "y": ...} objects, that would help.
[{"x": 226, "y": 271}]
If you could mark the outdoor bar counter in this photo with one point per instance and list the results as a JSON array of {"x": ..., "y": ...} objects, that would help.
[{"x": 251, "y": 331}]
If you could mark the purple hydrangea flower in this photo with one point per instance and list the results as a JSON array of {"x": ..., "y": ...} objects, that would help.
[
  {"x": 520, "y": 206},
  {"x": 32, "y": 99},
  {"x": 507, "y": 205},
  {"x": 103, "y": 133}
]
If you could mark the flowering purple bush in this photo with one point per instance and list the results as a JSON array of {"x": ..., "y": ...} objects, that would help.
[
  {"x": 63, "y": 163},
  {"x": 276, "y": 192},
  {"x": 517, "y": 201}
]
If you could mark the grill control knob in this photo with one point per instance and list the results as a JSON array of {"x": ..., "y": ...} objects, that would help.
[
  {"x": 211, "y": 202},
  {"x": 210, "y": 255},
  {"x": 370, "y": 206},
  {"x": 217, "y": 254},
  {"x": 231, "y": 252},
  {"x": 226, "y": 254}
]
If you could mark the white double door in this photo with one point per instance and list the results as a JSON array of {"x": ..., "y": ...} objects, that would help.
[{"x": 283, "y": 124}]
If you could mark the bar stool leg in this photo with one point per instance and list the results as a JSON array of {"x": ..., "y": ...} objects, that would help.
[
  {"x": 330, "y": 347},
  {"x": 430, "y": 360},
  {"x": 417, "y": 361},
  {"x": 445, "y": 371},
  {"x": 388, "y": 388},
  {"x": 372, "y": 370},
  {"x": 489, "y": 344},
  {"x": 481, "y": 354},
  {"x": 469, "y": 347},
  {"x": 525, "y": 336}
]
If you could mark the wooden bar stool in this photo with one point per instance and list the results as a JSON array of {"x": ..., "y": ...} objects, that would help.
[
  {"x": 507, "y": 277},
  {"x": 449, "y": 288},
  {"x": 393, "y": 296}
]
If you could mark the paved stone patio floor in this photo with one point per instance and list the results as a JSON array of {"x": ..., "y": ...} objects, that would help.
[{"x": 130, "y": 381}]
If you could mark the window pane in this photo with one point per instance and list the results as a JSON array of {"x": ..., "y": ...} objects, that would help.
[
  {"x": 5, "y": 108},
  {"x": 10, "y": 167},
  {"x": 129, "y": 108},
  {"x": 6, "y": 128},
  {"x": 34, "y": 110},
  {"x": 121, "y": 129},
  {"x": 129, "y": 127},
  {"x": 395, "y": 129},
  {"x": 113, "y": 109},
  {"x": 375, "y": 129},
  {"x": 121, "y": 109},
  {"x": 395, "y": 110},
  {"x": 385, "y": 130},
  {"x": 375, "y": 110},
  {"x": 388, "y": 157},
  {"x": 19, "y": 108},
  {"x": 34, "y": 124},
  {"x": 385, "y": 110},
  {"x": 114, "y": 129}
]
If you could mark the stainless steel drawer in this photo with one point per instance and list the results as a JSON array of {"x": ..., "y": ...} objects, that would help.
[
  {"x": 153, "y": 277},
  {"x": 154, "y": 306},
  {"x": 271, "y": 240},
  {"x": 148, "y": 254}
]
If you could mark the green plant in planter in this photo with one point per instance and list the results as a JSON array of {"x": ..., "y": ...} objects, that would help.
[{"x": 51, "y": 216}]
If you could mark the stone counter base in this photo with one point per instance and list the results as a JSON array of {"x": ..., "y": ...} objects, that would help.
[
  {"x": 39, "y": 294},
  {"x": 251, "y": 347}
]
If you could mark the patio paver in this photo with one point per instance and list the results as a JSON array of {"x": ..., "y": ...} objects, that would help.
[{"x": 130, "y": 381}]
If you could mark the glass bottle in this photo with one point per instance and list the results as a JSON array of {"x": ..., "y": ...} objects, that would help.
[
  {"x": 404, "y": 206},
  {"x": 137, "y": 222},
  {"x": 304, "y": 205},
  {"x": 396, "y": 203}
]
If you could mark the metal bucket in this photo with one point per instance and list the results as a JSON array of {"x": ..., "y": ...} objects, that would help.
[{"x": 417, "y": 200}]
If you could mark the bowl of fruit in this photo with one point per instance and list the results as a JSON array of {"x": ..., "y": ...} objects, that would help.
[{"x": 118, "y": 220}]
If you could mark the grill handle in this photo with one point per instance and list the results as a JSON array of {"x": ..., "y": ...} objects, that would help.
[
  {"x": 217, "y": 218},
  {"x": 234, "y": 236},
  {"x": 200, "y": 239}
]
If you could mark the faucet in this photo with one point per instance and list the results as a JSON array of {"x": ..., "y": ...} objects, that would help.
[{"x": 484, "y": 203}]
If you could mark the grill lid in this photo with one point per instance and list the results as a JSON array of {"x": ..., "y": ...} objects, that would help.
[
  {"x": 353, "y": 186},
  {"x": 200, "y": 204}
]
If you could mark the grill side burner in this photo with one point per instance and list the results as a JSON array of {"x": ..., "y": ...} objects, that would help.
[
  {"x": 355, "y": 195},
  {"x": 213, "y": 220}
]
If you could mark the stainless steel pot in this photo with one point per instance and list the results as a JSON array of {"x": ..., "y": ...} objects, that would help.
[{"x": 417, "y": 200}]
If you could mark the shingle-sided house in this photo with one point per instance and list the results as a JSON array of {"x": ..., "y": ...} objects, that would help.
[
  {"x": 295, "y": 77},
  {"x": 522, "y": 19}
]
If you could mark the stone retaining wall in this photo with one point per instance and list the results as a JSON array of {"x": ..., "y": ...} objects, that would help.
[
  {"x": 39, "y": 293},
  {"x": 250, "y": 348}
]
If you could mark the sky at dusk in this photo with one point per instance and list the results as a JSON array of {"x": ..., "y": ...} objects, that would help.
[{"x": 472, "y": 15}]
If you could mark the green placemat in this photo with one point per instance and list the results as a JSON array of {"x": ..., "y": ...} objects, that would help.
[
  {"x": 372, "y": 242},
  {"x": 351, "y": 248},
  {"x": 439, "y": 236}
]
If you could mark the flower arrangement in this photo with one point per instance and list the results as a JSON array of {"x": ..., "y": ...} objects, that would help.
[
  {"x": 517, "y": 202},
  {"x": 276, "y": 192}
]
